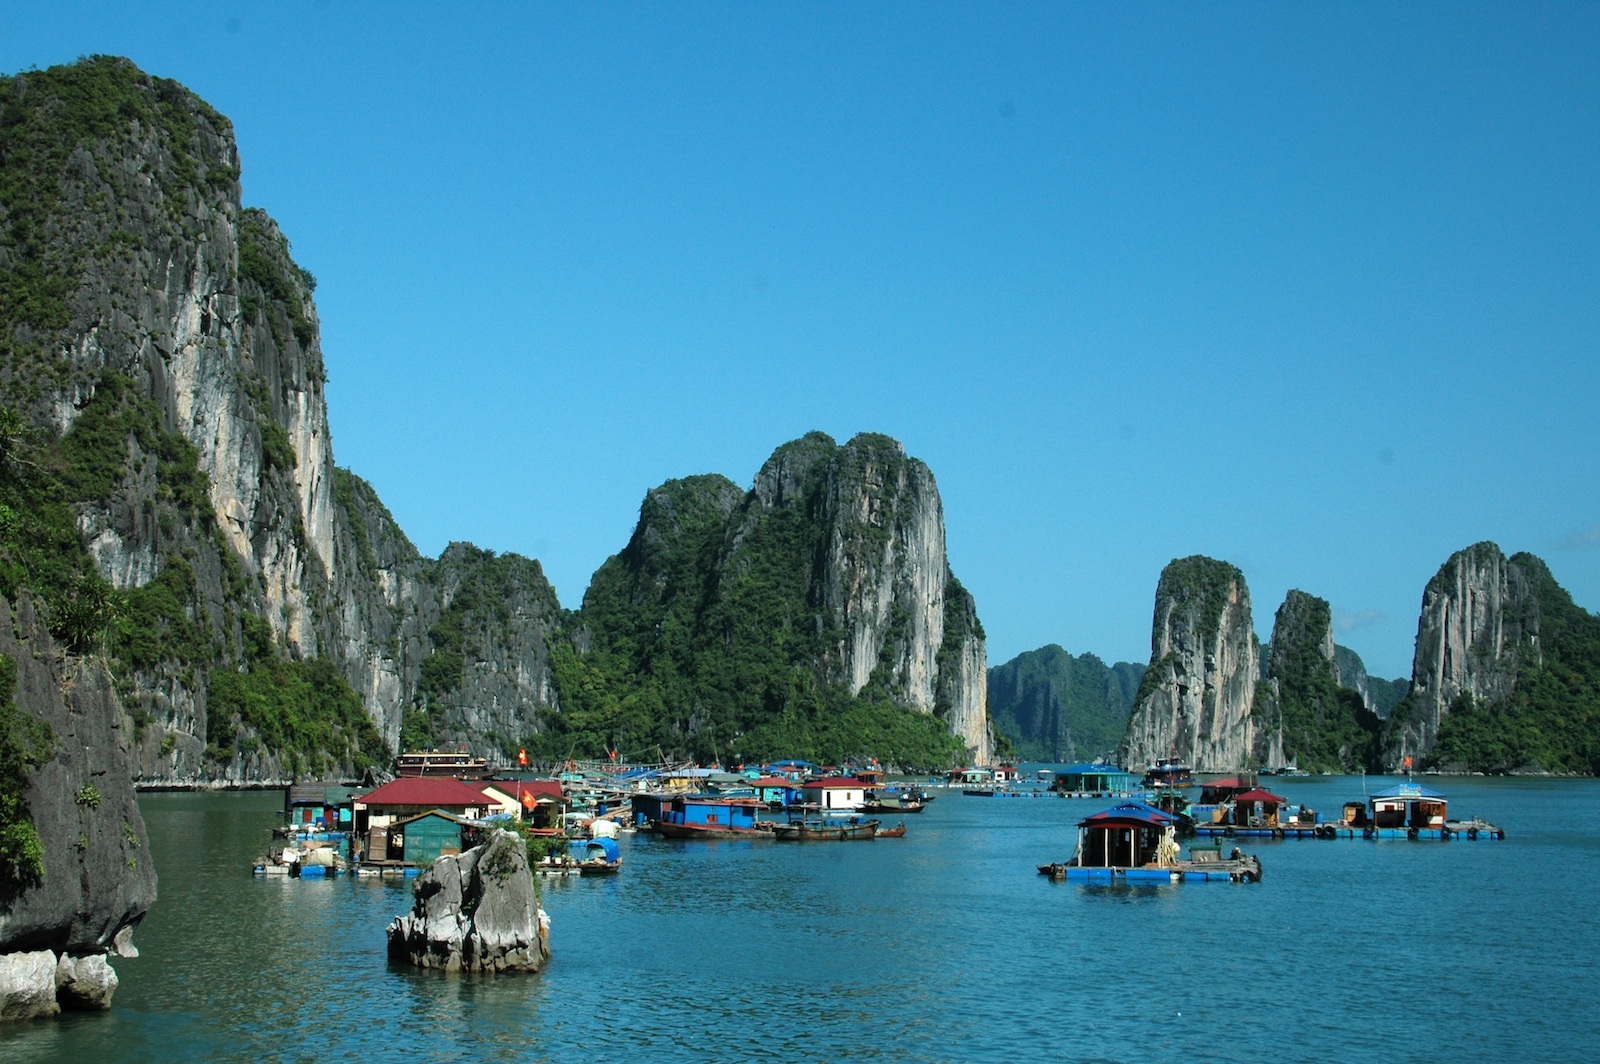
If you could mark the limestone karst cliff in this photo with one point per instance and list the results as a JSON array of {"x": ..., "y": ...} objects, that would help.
[
  {"x": 162, "y": 345},
  {"x": 1506, "y": 674},
  {"x": 264, "y": 615},
  {"x": 1303, "y": 715},
  {"x": 761, "y": 617},
  {"x": 1196, "y": 698}
]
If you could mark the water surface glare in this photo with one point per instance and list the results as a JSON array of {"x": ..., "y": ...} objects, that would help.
[{"x": 942, "y": 946}]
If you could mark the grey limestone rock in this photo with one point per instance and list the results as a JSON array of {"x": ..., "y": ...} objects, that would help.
[
  {"x": 28, "y": 986},
  {"x": 1197, "y": 697},
  {"x": 85, "y": 983},
  {"x": 99, "y": 878},
  {"x": 476, "y": 912}
]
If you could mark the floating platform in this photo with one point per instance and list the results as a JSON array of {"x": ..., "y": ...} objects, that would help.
[
  {"x": 1471, "y": 830},
  {"x": 1236, "y": 870}
]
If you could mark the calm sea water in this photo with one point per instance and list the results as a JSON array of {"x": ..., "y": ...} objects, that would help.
[{"x": 942, "y": 946}]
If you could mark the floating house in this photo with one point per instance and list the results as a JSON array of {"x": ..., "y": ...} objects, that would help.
[
  {"x": 424, "y": 838},
  {"x": 319, "y": 807},
  {"x": 834, "y": 793},
  {"x": 1092, "y": 779},
  {"x": 1410, "y": 805},
  {"x": 1254, "y": 808},
  {"x": 776, "y": 791},
  {"x": 376, "y": 812},
  {"x": 689, "y": 816},
  {"x": 1136, "y": 842}
]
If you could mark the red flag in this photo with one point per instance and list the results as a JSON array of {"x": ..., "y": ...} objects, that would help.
[
  {"x": 1407, "y": 761},
  {"x": 522, "y": 758}
]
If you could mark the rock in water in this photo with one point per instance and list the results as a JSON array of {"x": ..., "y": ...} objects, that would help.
[
  {"x": 476, "y": 912},
  {"x": 28, "y": 985},
  {"x": 85, "y": 982}
]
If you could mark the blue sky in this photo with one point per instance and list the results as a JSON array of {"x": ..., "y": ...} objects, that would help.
[{"x": 1309, "y": 288}]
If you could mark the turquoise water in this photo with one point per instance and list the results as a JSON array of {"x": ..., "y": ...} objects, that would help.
[{"x": 942, "y": 946}]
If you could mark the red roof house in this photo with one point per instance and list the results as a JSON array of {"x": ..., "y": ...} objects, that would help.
[{"x": 419, "y": 794}]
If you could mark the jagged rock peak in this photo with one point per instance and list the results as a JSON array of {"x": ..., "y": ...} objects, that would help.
[
  {"x": 1195, "y": 699},
  {"x": 1302, "y": 638},
  {"x": 475, "y": 912},
  {"x": 1479, "y": 623}
]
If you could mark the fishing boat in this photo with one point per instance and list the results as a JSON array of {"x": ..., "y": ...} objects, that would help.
[
  {"x": 826, "y": 830},
  {"x": 667, "y": 829},
  {"x": 1137, "y": 843},
  {"x": 893, "y": 801},
  {"x": 896, "y": 832},
  {"x": 1169, "y": 772}
]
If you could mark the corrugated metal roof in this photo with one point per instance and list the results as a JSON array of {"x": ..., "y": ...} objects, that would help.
[{"x": 437, "y": 791}]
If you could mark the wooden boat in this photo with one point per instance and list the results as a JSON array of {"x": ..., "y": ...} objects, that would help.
[
  {"x": 896, "y": 832},
  {"x": 826, "y": 830},
  {"x": 667, "y": 829},
  {"x": 879, "y": 802},
  {"x": 1169, "y": 772}
]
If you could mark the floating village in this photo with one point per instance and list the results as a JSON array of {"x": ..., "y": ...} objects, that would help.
[{"x": 441, "y": 803}]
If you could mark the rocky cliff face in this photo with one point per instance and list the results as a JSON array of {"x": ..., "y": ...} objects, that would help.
[
  {"x": 97, "y": 877},
  {"x": 1304, "y": 717},
  {"x": 150, "y": 315},
  {"x": 1478, "y": 629},
  {"x": 832, "y": 566},
  {"x": 1196, "y": 697}
]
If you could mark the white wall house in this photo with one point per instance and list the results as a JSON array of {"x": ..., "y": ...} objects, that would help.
[{"x": 835, "y": 792}]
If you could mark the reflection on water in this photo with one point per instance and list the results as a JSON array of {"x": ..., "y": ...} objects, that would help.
[{"x": 944, "y": 945}]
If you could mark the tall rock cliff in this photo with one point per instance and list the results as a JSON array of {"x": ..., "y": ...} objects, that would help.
[
  {"x": 1506, "y": 675},
  {"x": 1303, "y": 715},
  {"x": 1054, "y": 706},
  {"x": 1196, "y": 697},
  {"x": 1479, "y": 624},
  {"x": 272, "y": 620},
  {"x": 826, "y": 584}
]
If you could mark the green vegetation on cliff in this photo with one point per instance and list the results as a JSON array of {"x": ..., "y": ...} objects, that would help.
[
  {"x": 1198, "y": 583},
  {"x": 1326, "y": 727},
  {"x": 25, "y": 742},
  {"x": 1551, "y": 719},
  {"x": 705, "y": 641},
  {"x": 105, "y": 174}
]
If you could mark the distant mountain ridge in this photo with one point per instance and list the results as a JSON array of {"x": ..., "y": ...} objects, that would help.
[{"x": 1052, "y": 706}]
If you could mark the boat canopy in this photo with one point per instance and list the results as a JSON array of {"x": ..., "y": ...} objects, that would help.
[{"x": 586, "y": 849}]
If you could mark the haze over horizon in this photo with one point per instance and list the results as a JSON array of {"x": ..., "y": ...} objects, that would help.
[{"x": 1309, "y": 291}]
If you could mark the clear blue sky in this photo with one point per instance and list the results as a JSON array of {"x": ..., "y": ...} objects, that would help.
[{"x": 1309, "y": 288}]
